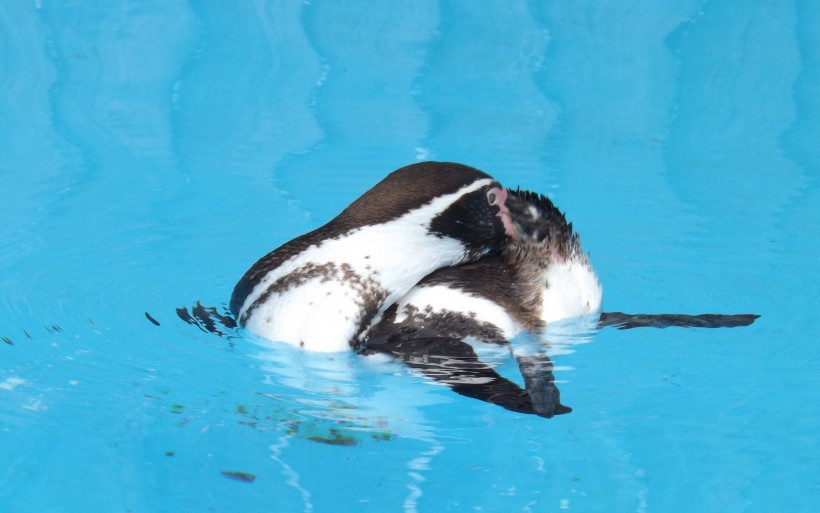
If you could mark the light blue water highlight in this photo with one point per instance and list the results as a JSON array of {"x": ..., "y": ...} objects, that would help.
[{"x": 150, "y": 152}]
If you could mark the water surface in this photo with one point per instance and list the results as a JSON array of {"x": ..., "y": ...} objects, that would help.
[{"x": 150, "y": 152}]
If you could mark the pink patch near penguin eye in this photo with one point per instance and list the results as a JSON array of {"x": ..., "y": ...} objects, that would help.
[{"x": 499, "y": 198}]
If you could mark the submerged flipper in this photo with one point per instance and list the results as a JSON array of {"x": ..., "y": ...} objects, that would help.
[
  {"x": 453, "y": 362},
  {"x": 625, "y": 321}
]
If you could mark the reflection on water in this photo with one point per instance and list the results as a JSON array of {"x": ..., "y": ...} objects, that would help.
[
  {"x": 467, "y": 366},
  {"x": 339, "y": 398},
  {"x": 353, "y": 401}
]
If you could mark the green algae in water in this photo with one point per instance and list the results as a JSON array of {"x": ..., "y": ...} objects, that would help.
[
  {"x": 239, "y": 476},
  {"x": 336, "y": 437}
]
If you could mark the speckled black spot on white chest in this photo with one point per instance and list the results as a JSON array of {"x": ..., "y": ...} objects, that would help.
[{"x": 322, "y": 290}]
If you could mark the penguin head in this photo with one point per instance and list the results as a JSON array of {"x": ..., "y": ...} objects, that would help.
[
  {"x": 542, "y": 228},
  {"x": 458, "y": 201}
]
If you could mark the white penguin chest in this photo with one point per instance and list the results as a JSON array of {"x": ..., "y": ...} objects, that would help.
[{"x": 571, "y": 289}]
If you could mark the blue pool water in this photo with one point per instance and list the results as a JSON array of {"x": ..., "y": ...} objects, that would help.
[{"x": 151, "y": 151}]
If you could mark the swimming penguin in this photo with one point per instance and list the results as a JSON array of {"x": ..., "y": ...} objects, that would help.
[
  {"x": 458, "y": 259},
  {"x": 322, "y": 290},
  {"x": 542, "y": 277}
]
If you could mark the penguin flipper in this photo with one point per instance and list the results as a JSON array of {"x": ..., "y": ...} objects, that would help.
[
  {"x": 624, "y": 321},
  {"x": 453, "y": 362}
]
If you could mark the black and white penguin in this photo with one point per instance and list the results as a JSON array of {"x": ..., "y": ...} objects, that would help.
[
  {"x": 433, "y": 260},
  {"x": 323, "y": 290},
  {"x": 542, "y": 277}
]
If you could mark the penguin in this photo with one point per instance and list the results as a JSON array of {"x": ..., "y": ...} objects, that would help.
[
  {"x": 435, "y": 259},
  {"x": 542, "y": 277},
  {"x": 323, "y": 290}
]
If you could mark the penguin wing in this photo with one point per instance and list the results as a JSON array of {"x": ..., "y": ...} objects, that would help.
[{"x": 624, "y": 321}]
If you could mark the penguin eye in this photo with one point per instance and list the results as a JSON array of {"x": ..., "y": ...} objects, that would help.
[{"x": 491, "y": 197}]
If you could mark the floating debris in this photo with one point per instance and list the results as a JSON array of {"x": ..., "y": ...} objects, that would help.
[
  {"x": 239, "y": 476},
  {"x": 153, "y": 321},
  {"x": 54, "y": 328},
  {"x": 336, "y": 438}
]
